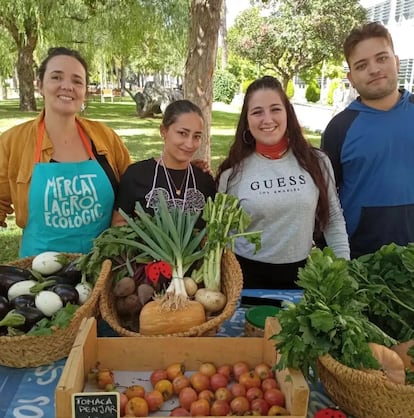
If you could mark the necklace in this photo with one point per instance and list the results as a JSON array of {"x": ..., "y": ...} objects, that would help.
[{"x": 177, "y": 189}]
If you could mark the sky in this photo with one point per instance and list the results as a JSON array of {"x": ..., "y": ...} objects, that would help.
[{"x": 234, "y": 7}]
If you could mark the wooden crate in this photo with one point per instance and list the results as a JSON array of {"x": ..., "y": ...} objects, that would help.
[{"x": 150, "y": 353}]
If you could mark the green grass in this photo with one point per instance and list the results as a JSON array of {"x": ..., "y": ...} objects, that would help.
[{"x": 141, "y": 136}]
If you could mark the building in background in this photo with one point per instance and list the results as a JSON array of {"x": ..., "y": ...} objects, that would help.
[{"x": 398, "y": 17}]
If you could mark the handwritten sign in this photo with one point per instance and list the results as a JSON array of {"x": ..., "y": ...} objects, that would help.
[{"x": 95, "y": 405}]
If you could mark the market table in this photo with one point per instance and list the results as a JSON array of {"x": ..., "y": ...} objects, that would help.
[{"x": 29, "y": 393}]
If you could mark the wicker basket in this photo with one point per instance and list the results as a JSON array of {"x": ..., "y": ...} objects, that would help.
[
  {"x": 232, "y": 284},
  {"x": 33, "y": 351},
  {"x": 365, "y": 395}
]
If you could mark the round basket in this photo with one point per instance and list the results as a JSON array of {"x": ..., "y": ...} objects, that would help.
[
  {"x": 232, "y": 284},
  {"x": 363, "y": 394},
  {"x": 33, "y": 350}
]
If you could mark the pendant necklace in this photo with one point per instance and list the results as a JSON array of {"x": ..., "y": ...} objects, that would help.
[{"x": 177, "y": 189}]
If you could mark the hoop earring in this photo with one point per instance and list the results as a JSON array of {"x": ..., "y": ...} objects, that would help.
[{"x": 246, "y": 140}]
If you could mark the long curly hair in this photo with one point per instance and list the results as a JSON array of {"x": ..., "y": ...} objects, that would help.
[{"x": 244, "y": 144}]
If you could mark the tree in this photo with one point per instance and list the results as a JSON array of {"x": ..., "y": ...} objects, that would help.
[
  {"x": 27, "y": 21},
  {"x": 201, "y": 61},
  {"x": 294, "y": 35}
]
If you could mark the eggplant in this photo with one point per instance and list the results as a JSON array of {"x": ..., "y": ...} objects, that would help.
[
  {"x": 32, "y": 316},
  {"x": 67, "y": 293},
  {"x": 5, "y": 307},
  {"x": 10, "y": 275},
  {"x": 23, "y": 301},
  {"x": 62, "y": 279},
  {"x": 71, "y": 272}
]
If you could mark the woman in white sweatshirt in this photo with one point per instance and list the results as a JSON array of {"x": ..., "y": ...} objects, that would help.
[{"x": 286, "y": 185}]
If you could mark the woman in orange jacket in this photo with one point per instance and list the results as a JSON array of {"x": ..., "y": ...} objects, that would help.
[{"x": 59, "y": 173}]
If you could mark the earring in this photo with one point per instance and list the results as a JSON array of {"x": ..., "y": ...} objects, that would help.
[{"x": 248, "y": 140}]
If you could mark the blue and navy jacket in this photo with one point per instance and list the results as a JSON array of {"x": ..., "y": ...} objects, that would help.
[{"x": 372, "y": 153}]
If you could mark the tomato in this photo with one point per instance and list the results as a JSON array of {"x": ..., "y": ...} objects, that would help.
[
  {"x": 199, "y": 381},
  {"x": 180, "y": 412},
  {"x": 254, "y": 393},
  {"x": 186, "y": 397},
  {"x": 250, "y": 380},
  {"x": 157, "y": 375},
  {"x": 237, "y": 389},
  {"x": 208, "y": 369},
  {"x": 136, "y": 407},
  {"x": 277, "y": 410},
  {"x": 225, "y": 369},
  {"x": 180, "y": 382},
  {"x": 207, "y": 394},
  {"x": 174, "y": 369},
  {"x": 259, "y": 405},
  {"x": 123, "y": 400},
  {"x": 239, "y": 368},
  {"x": 105, "y": 377},
  {"x": 240, "y": 405},
  {"x": 269, "y": 383},
  {"x": 329, "y": 413},
  {"x": 200, "y": 408},
  {"x": 134, "y": 391},
  {"x": 165, "y": 387},
  {"x": 154, "y": 400},
  {"x": 263, "y": 370},
  {"x": 218, "y": 380},
  {"x": 223, "y": 394},
  {"x": 274, "y": 397},
  {"x": 220, "y": 408}
]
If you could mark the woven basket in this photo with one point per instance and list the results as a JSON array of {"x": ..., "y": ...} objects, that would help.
[
  {"x": 232, "y": 284},
  {"x": 33, "y": 351},
  {"x": 365, "y": 395}
]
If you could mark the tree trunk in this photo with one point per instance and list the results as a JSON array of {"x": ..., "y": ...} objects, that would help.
[
  {"x": 223, "y": 32},
  {"x": 201, "y": 61},
  {"x": 26, "y": 44}
]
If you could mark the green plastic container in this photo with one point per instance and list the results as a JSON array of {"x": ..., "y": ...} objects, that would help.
[{"x": 255, "y": 318}]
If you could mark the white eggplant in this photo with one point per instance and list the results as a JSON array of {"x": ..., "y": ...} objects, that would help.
[
  {"x": 47, "y": 262},
  {"x": 20, "y": 288},
  {"x": 48, "y": 302},
  {"x": 85, "y": 290}
]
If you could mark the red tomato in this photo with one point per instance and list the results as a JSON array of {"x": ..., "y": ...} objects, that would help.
[
  {"x": 250, "y": 380},
  {"x": 200, "y": 408},
  {"x": 186, "y": 397},
  {"x": 329, "y": 413},
  {"x": 240, "y": 405}
]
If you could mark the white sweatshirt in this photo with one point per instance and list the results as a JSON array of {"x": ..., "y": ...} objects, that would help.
[{"x": 281, "y": 198}]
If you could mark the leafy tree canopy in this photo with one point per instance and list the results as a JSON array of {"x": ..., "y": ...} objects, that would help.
[{"x": 293, "y": 36}]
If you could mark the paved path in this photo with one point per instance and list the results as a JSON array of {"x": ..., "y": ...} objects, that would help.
[{"x": 313, "y": 116}]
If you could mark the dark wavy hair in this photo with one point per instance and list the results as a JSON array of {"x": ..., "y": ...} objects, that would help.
[
  {"x": 306, "y": 155},
  {"x": 58, "y": 51}
]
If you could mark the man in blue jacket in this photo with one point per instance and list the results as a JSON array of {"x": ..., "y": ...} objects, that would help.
[{"x": 371, "y": 145}]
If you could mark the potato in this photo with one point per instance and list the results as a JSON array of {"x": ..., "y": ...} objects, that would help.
[
  {"x": 212, "y": 300},
  {"x": 124, "y": 287}
]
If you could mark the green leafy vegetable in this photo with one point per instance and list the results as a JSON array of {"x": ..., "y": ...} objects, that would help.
[
  {"x": 225, "y": 220},
  {"x": 328, "y": 319},
  {"x": 61, "y": 319}
]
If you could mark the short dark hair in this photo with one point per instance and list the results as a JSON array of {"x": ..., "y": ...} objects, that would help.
[
  {"x": 177, "y": 108},
  {"x": 366, "y": 31},
  {"x": 61, "y": 50}
]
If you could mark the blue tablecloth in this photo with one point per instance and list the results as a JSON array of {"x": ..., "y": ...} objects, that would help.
[{"x": 29, "y": 393}]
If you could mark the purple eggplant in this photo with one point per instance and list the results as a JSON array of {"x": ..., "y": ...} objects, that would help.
[
  {"x": 10, "y": 275},
  {"x": 23, "y": 301},
  {"x": 71, "y": 273},
  {"x": 67, "y": 293},
  {"x": 32, "y": 316},
  {"x": 5, "y": 307}
]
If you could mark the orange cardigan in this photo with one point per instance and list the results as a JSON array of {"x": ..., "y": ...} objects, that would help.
[{"x": 17, "y": 152}]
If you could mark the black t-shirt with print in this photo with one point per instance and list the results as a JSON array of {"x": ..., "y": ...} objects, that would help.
[{"x": 138, "y": 182}]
